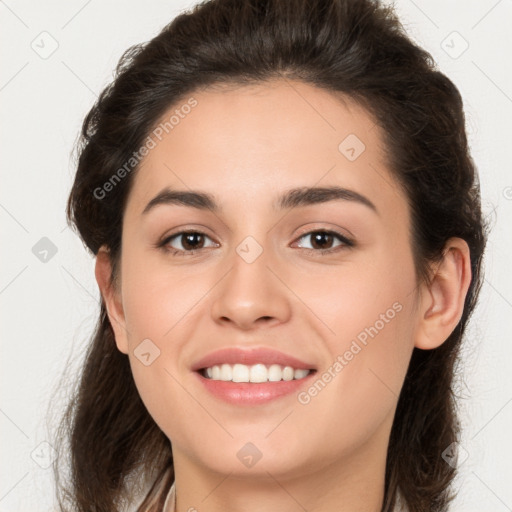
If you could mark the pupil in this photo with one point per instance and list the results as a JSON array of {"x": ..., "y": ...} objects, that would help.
[
  {"x": 319, "y": 236},
  {"x": 188, "y": 238}
]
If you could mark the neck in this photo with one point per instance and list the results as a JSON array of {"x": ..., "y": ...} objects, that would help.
[{"x": 352, "y": 483}]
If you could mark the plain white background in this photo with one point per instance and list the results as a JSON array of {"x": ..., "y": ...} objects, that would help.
[{"x": 57, "y": 56}]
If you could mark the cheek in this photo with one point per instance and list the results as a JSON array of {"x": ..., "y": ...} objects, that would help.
[
  {"x": 162, "y": 306},
  {"x": 156, "y": 297},
  {"x": 367, "y": 322},
  {"x": 358, "y": 390},
  {"x": 359, "y": 297}
]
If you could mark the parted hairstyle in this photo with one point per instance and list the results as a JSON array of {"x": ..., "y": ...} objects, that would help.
[{"x": 354, "y": 47}]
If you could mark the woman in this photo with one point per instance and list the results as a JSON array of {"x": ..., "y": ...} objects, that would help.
[{"x": 288, "y": 239}]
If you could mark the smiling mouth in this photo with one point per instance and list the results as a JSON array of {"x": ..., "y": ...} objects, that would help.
[{"x": 256, "y": 373}]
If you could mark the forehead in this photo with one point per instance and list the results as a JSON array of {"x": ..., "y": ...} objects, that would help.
[{"x": 241, "y": 143}]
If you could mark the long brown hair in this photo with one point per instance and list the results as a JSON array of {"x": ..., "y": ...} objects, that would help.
[{"x": 355, "y": 47}]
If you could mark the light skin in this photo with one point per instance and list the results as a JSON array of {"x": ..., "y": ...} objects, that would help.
[{"x": 246, "y": 146}]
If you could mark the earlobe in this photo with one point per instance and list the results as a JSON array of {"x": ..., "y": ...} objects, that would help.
[
  {"x": 442, "y": 300},
  {"x": 111, "y": 298}
]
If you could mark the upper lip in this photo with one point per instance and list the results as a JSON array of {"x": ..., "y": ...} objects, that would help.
[{"x": 248, "y": 357}]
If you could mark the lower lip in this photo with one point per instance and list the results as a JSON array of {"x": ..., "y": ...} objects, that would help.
[{"x": 248, "y": 393}]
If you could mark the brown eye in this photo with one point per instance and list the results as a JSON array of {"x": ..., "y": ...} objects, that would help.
[
  {"x": 322, "y": 241},
  {"x": 185, "y": 242}
]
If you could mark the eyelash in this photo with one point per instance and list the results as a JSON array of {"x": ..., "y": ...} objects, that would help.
[{"x": 322, "y": 252}]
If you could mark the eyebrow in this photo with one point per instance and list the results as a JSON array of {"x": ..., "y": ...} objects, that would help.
[{"x": 293, "y": 198}]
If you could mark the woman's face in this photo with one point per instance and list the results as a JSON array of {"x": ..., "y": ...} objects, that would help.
[{"x": 262, "y": 277}]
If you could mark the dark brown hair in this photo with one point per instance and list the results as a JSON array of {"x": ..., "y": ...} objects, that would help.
[{"x": 359, "y": 49}]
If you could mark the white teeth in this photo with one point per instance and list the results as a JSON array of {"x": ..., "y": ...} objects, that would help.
[
  {"x": 288, "y": 373},
  {"x": 226, "y": 373},
  {"x": 240, "y": 372},
  {"x": 275, "y": 373},
  {"x": 300, "y": 374},
  {"x": 258, "y": 373},
  {"x": 255, "y": 373}
]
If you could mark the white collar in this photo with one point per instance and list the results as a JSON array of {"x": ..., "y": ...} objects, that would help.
[{"x": 170, "y": 501}]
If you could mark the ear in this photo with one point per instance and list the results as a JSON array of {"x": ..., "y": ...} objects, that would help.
[
  {"x": 442, "y": 300},
  {"x": 112, "y": 298}
]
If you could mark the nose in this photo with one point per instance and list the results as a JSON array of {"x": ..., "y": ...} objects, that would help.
[{"x": 252, "y": 294}]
